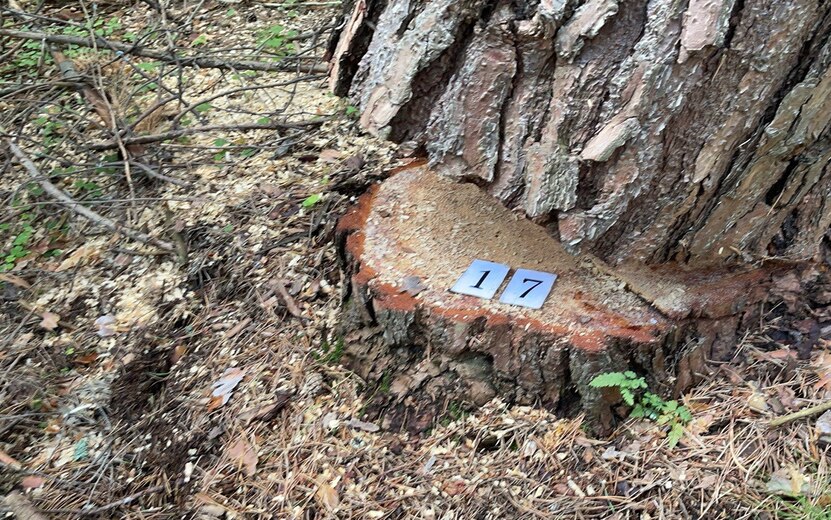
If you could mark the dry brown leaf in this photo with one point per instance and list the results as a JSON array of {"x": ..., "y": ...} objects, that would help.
[
  {"x": 243, "y": 456},
  {"x": 32, "y": 482},
  {"x": 78, "y": 257},
  {"x": 49, "y": 320},
  {"x": 707, "y": 482},
  {"x": 177, "y": 354},
  {"x": 757, "y": 402},
  {"x": 15, "y": 280},
  {"x": 8, "y": 460},
  {"x": 822, "y": 368},
  {"x": 329, "y": 156},
  {"x": 222, "y": 389},
  {"x": 327, "y": 496},
  {"x": 86, "y": 359}
]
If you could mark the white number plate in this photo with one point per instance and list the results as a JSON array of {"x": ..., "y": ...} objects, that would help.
[
  {"x": 481, "y": 279},
  {"x": 528, "y": 288}
]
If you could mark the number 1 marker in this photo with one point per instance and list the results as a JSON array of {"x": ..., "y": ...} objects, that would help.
[{"x": 481, "y": 279}]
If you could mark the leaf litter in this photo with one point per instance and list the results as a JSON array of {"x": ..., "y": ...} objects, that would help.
[{"x": 138, "y": 398}]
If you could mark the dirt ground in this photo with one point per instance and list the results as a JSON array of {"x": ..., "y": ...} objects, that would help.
[{"x": 194, "y": 372}]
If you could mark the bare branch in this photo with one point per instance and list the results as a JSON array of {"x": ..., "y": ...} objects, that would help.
[
  {"x": 173, "y": 134},
  {"x": 68, "y": 202},
  {"x": 198, "y": 61}
]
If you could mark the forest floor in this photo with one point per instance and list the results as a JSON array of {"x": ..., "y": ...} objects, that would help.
[{"x": 193, "y": 369}]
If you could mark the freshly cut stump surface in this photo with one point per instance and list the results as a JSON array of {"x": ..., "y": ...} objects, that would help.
[{"x": 407, "y": 242}]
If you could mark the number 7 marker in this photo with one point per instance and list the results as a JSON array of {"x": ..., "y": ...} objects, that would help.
[{"x": 528, "y": 288}]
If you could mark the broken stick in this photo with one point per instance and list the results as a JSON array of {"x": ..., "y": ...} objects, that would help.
[
  {"x": 805, "y": 412},
  {"x": 82, "y": 210}
]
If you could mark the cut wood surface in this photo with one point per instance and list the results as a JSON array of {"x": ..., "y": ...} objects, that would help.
[{"x": 596, "y": 319}]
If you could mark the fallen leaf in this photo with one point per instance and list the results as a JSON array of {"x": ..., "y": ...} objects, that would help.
[
  {"x": 32, "y": 482},
  {"x": 243, "y": 456},
  {"x": 177, "y": 353},
  {"x": 269, "y": 411},
  {"x": 223, "y": 388},
  {"x": 327, "y": 496},
  {"x": 105, "y": 326},
  {"x": 86, "y": 359},
  {"x": 823, "y": 427},
  {"x": 78, "y": 257},
  {"x": 15, "y": 280},
  {"x": 411, "y": 285},
  {"x": 361, "y": 425},
  {"x": 788, "y": 481},
  {"x": 822, "y": 368},
  {"x": 329, "y": 156},
  {"x": 8, "y": 460},
  {"x": 49, "y": 321}
]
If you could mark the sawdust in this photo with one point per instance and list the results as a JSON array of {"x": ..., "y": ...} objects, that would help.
[{"x": 425, "y": 226}]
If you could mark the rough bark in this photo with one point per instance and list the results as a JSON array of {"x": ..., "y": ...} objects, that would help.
[{"x": 641, "y": 131}]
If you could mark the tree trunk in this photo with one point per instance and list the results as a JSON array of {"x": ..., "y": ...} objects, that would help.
[
  {"x": 679, "y": 151},
  {"x": 642, "y": 131}
]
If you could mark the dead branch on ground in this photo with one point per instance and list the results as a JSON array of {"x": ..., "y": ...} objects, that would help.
[
  {"x": 85, "y": 212},
  {"x": 185, "y": 61}
]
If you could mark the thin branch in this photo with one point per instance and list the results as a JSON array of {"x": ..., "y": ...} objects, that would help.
[
  {"x": 150, "y": 172},
  {"x": 67, "y": 201},
  {"x": 173, "y": 134},
  {"x": 806, "y": 412},
  {"x": 198, "y": 61},
  {"x": 112, "y": 505}
]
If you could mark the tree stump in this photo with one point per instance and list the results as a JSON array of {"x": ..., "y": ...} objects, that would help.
[{"x": 408, "y": 240}]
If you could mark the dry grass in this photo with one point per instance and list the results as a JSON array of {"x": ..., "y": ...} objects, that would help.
[{"x": 121, "y": 425}]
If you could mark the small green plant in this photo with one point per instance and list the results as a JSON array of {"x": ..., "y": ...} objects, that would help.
[
  {"x": 222, "y": 153},
  {"x": 311, "y": 200},
  {"x": 200, "y": 40},
  {"x": 351, "y": 111},
  {"x": 18, "y": 249},
  {"x": 332, "y": 354},
  {"x": 455, "y": 412},
  {"x": 277, "y": 40},
  {"x": 801, "y": 509},
  {"x": 89, "y": 188},
  {"x": 386, "y": 383},
  {"x": 645, "y": 404}
]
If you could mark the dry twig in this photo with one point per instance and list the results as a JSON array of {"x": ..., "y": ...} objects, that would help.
[
  {"x": 67, "y": 201},
  {"x": 801, "y": 414},
  {"x": 192, "y": 61}
]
